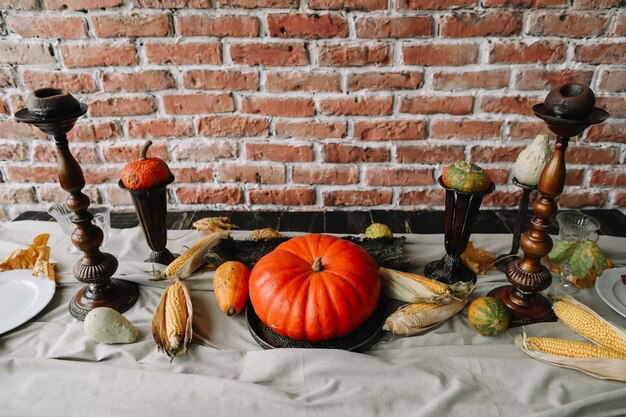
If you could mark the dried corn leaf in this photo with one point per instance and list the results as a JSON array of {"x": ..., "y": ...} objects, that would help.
[
  {"x": 213, "y": 224},
  {"x": 478, "y": 260},
  {"x": 417, "y": 322},
  {"x": 410, "y": 288},
  {"x": 159, "y": 325},
  {"x": 35, "y": 257},
  {"x": 265, "y": 234},
  {"x": 602, "y": 368}
]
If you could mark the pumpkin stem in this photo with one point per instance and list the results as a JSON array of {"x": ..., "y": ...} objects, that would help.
[
  {"x": 230, "y": 311},
  {"x": 317, "y": 264},
  {"x": 144, "y": 150}
]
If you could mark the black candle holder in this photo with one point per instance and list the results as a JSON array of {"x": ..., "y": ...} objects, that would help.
[
  {"x": 503, "y": 260},
  {"x": 461, "y": 212}
]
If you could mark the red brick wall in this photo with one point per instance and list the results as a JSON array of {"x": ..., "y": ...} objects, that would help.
[{"x": 309, "y": 103}]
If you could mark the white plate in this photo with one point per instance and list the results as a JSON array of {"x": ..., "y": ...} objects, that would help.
[
  {"x": 22, "y": 296},
  {"x": 612, "y": 290}
]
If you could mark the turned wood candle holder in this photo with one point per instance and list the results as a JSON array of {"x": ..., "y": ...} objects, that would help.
[
  {"x": 568, "y": 111},
  {"x": 55, "y": 112}
]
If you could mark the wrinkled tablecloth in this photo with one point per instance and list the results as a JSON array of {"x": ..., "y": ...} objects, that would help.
[{"x": 48, "y": 367}]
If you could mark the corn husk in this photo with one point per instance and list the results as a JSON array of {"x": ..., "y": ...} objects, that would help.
[
  {"x": 213, "y": 224},
  {"x": 602, "y": 368},
  {"x": 159, "y": 331},
  {"x": 265, "y": 234},
  {"x": 411, "y": 324},
  {"x": 404, "y": 287}
]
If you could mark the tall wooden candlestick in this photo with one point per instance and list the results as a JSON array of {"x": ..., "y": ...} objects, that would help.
[
  {"x": 55, "y": 112},
  {"x": 568, "y": 111}
]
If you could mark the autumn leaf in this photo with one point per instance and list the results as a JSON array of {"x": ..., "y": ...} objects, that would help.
[
  {"x": 585, "y": 258},
  {"x": 478, "y": 260}
]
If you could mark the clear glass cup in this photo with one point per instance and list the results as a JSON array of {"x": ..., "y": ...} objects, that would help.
[
  {"x": 575, "y": 227},
  {"x": 565, "y": 284},
  {"x": 63, "y": 217},
  {"x": 102, "y": 219}
]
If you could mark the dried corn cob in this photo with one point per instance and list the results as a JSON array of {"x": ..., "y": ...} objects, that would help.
[
  {"x": 412, "y": 319},
  {"x": 572, "y": 349},
  {"x": 172, "y": 322},
  {"x": 213, "y": 224},
  {"x": 588, "y": 324},
  {"x": 414, "y": 288},
  {"x": 192, "y": 259},
  {"x": 414, "y": 308}
]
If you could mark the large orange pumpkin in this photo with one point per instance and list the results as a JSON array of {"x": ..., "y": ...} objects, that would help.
[{"x": 315, "y": 287}]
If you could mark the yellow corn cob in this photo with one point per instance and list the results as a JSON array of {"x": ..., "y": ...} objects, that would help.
[
  {"x": 175, "y": 315},
  {"x": 170, "y": 270},
  {"x": 588, "y": 325},
  {"x": 415, "y": 307},
  {"x": 573, "y": 349},
  {"x": 431, "y": 284}
]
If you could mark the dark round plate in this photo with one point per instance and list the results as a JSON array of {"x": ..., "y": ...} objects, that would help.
[{"x": 358, "y": 341}]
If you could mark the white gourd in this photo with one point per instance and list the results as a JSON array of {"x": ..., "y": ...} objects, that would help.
[
  {"x": 105, "y": 325},
  {"x": 530, "y": 161}
]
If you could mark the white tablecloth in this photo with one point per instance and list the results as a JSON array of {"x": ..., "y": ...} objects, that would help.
[{"x": 48, "y": 367}]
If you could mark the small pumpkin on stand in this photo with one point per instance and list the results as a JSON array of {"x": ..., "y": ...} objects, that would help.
[
  {"x": 466, "y": 177},
  {"x": 146, "y": 172}
]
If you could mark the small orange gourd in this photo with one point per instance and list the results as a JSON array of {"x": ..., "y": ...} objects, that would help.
[
  {"x": 146, "y": 172},
  {"x": 230, "y": 284}
]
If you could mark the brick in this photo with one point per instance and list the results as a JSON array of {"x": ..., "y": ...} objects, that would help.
[
  {"x": 619, "y": 28},
  {"x": 207, "y": 25},
  {"x": 122, "y": 106},
  {"x": 525, "y": 52},
  {"x": 503, "y": 198},
  {"x": 499, "y": 176},
  {"x": 591, "y": 156},
  {"x": 188, "y": 53},
  {"x": 221, "y": 80},
  {"x": 394, "y": 27},
  {"x": 129, "y": 152},
  {"x": 186, "y": 175},
  {"x": 390, "y": 176},
  {"x": 311, "y": 130},
  {"x": 258, "y": 4},
  {"x": 205, "y": 151},
  {"x": 270, "y": 106},
  {"x": 3, "y": 108},
  {"x": 489, "y": 23},
  {"x": 252, "y": 173},
  {"x": 159, "y": 128},
  {"x": 613, "y": 105},
  {"x": 390, "y": 130},
  {"x": 98, "y": 55},
  {"x": 597, "y": 4},
  {"x": 353, "y": 198},
  {"x": 47, "y": 27},
  {"x": 22, "y": 53},
  {"x": 283, "y": 197},
  {"x": 571, "y": 24},
  {"x": 233, "y": 126},
  {"x": 582, "y": 198},
  {"x": 11, "y": 151},
  {"x": 620, "y": 199},
  {"x": 46, "y": 152},
  {"x": 35, "y": 173},
  {"x": 356, "y": 106},
  {"x": 279, "y": 152},
  {"x": 309, "y": 26},
  {"x": 333, "y": 175},
  {"x": 433, "y": 4},
  {"x": 525, "y": 3},
  {"x": 607, "y": 132},
  {"x": 270, "y": 54},
  {"x": 12, "y": 129},
  {"x": 6, "y": 78},
  {"x": 429, "y": 154},
  {"x": 440, "y": 54},
  {"x": 455, "y": 81},
  {"x": 17, "y": 102},
  {"x": 55, "y": 194},
  {"x": 613, "y": 80},
  {"x": 174, "y": 4},
  {"x": 606, "y": 178},
  {"x": 495, "y": 153},
  {"x": 95, "y": 131},
  {"x": 353, "y": 55},
  {"x": 574, "y": 176},
  {"x": 117, "y": 197},
  {"x": 542, "y": 79},
  {"x": 421, "y": 197},
  {"x": 149, "y": 80},
  {"x": 509, "y": 105},
  {"x": 209, "y": 195},
  {"x": 198, "y": 103},
  {"x": 601, "y": 53},
  {"x": 399, "y": 80},
  {"x": 277, "y": 82},
  {"x": 19, "y": 4},
  {"x": 343, "y": 154},
  {"x": 17, "y": 195},
  {"x": 526, "y": 130},
  {"x": 74, "y": 82},
  {"x": 465, "y": 129},
  {"x": 366, "y": 5},
  {"x": 131, "y": 25},
  {"x": 457, "y": 105},
  {"x": 81, "y": 4}
]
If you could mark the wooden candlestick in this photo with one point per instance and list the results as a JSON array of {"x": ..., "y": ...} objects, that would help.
[
  {"x": 55, "y": 112},
  {"x": 528, "y": 276}
]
